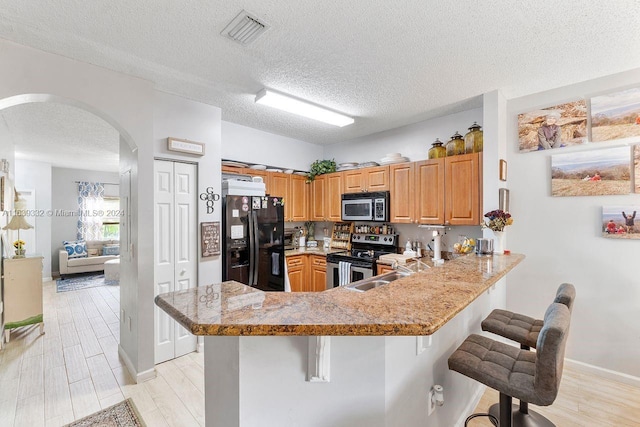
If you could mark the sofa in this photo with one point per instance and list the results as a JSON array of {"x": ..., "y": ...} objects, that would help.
[{"x": 93, "y": 261}]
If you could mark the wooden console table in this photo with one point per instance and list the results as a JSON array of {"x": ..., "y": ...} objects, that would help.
[{"x": 22, "y": 293}]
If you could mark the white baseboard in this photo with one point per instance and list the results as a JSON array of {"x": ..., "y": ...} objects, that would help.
[
  {"x": 471, "y": 406},
  {"x": 149, "y": 374},
  {"x": 603, "y": 372}
]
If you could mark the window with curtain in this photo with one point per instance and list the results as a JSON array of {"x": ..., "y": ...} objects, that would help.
[
  {"x": 90, "y": 210},
  {"x": 111, "y": 218}
]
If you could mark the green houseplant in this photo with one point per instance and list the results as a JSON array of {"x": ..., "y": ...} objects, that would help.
[{"x": 320, "y": 167}]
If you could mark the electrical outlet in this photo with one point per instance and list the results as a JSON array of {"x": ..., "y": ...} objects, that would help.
[{"x": 431, "y": 402}]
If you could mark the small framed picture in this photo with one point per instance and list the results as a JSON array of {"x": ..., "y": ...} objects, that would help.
[
  {"x": 185, "y": 146},
  {"x": 503, "y": 170}
]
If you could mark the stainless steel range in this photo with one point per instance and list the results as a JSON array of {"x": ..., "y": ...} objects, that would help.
[{"x": 365, "y": 250}]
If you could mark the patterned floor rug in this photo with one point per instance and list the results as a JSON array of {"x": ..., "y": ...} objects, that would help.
[
  {"x": 123, "y": 414},
  {"x": 83, "y": 281}
]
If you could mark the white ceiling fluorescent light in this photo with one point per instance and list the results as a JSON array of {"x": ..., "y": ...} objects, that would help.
[
  {"x": 244, "y": 28},
  {"x": 301, "y": 108}
]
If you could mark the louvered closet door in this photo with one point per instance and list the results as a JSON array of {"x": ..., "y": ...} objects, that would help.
[{"x": 175, "y": 263}]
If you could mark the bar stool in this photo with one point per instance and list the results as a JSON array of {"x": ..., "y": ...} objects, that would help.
[
  {"x": 524, "y": 330},
  {"x": 528, "y": 376}
]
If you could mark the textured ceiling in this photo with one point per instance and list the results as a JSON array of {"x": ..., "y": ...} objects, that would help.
[
  {"x": 63, "y": 136},
  {"x": 385, "y": 63}
]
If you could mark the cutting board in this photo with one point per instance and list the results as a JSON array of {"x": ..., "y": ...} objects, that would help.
[{"x": 399, "y": 258}]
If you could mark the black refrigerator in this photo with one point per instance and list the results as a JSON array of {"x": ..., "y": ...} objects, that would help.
[{"x": 253, "y": 235}]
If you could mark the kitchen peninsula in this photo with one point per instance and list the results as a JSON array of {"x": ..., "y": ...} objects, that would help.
[{"x": 258, "y": 347}]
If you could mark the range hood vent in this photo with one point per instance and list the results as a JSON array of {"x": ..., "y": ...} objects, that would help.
[{"x": 245, "y": 28}]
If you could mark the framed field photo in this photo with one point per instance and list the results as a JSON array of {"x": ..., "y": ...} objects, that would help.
[
  {"x": 621, "y": 222},
  {"x": 636, "y": 165},
  {"x": 559, "y": 126},
  {"x": 592, "y": 173},
  {"x": 616, "y": 115}
]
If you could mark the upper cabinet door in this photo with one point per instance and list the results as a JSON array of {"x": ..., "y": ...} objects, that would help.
[
  {"x": 376, "y": 178},
  {"x": 429, "y": 191},
  {"x": 333, "y": 196},
  {"x": 353, "y": 181},
  {"x": 462, "y": 189},
  {"x": 402, "y": 195},
  {"x": 299, "y": 198},
  {"x": 317, "y": 202},
  {"x": 279, "y": 184}
]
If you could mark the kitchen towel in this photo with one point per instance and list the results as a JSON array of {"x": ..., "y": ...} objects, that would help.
[
  {"x": 275, "y": 263},
  {"x": 344, "y": 273}
]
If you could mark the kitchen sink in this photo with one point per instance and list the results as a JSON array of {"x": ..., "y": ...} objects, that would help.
[{"x": 376, "y": 281}]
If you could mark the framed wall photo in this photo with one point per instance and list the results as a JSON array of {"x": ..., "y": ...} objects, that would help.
[
  {"x": 592, "y": 173},
  {"x": 621, "y": 222},
  {"x": 616, "y": 115},
  {"x": 636, "y": 166},
  {"x": 562, "y": 125}
]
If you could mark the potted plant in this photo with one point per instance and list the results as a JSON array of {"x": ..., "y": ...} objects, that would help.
[{"x": 320, "y": 167}]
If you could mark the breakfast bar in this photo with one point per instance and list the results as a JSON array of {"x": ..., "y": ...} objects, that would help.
[{"x": 388, "y": 346}]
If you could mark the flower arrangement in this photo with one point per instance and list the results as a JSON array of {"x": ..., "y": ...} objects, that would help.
[
  {"x": 19, "y": 244},
  {"x": 498, "y": 220}
]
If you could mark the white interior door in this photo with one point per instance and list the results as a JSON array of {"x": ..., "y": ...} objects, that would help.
[
  {"x": 175, "y": 263},
  {"x": 186, "y": 236}
]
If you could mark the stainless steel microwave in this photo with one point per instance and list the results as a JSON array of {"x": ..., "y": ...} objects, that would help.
[{"x": 365, "y": 206}]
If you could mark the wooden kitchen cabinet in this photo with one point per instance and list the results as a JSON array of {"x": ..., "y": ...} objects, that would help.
[
  {"x": 318, "y": 273},
  {"x": 307, "y": 272},
  {"x": 299, "y": 198},
  {"x": 383, "y": 268},
  {"x": 231, "y": 169},
  {"x": 462, "y": 187},
  {"x": 279, "y": 186},
  {"x": 22, "y": 293},
  {"x": 429, "y": 191},
  {"x": 317, "y": 209},
  {"x": 366, "y": 179},
  {"x": 297, "y": 267},
  {"x": 402, "y": 193},
  {"x": 326, "y": 198},
  {"x": 333, "y": 196}
]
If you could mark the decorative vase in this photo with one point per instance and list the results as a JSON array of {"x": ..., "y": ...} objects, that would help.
[
  {"x": 20, "y": 253},
  {"x": 498, "y": 242}
]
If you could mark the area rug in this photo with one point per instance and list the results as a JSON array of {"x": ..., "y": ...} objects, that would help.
[
  {"x": 83, "y": 282},
  {"x": 123, "y": 414}
]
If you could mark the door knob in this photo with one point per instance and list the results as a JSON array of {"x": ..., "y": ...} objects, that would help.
[{"x": 183, "y": 271}]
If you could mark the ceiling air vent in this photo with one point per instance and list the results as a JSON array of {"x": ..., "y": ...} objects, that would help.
[{"x": 244, "y": 28}]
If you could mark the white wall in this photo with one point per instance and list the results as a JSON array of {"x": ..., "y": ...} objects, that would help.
[
  {"x": 37, "y": 176},
  {"x": 562, "y": 240},
  {"x": 250, "y": 145},
  {"x": 126, "y": 103},
  {"x": 64, "y": 198},
  {"x": 184, "y": 119}
]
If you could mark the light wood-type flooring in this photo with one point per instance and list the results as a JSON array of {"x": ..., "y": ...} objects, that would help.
[{"x": 74, "y": 370}]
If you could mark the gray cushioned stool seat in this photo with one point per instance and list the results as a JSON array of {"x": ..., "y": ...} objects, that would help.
[
  {"x": 517, "y": 327},
  {"x": 533, "y": 377},
  {"x": 524, "y": 329}
]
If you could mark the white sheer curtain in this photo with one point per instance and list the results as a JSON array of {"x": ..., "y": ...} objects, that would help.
[{"x": 90, "y": 206}]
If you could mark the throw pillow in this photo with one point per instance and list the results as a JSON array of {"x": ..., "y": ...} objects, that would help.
[
  {"x": 76, "y": 249},
  {"x": 93, "y": 251},
  {"x": 111, "y": 250}
]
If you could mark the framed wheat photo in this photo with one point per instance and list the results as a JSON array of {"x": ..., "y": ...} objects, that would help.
[
  {"x": 616, "y": 115},
  {"x": 559, "y": 126},
  {"x": 592, "y": 173},
  {"x": 621, "y": 222}
]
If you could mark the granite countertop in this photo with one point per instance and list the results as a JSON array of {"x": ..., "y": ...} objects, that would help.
[{"x": 415, "y": 305}]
